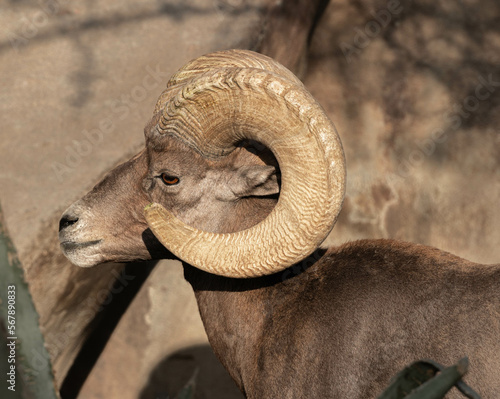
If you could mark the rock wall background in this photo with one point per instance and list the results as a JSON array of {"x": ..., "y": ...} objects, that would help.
[
  {"x": 416, "y": 103},
  {"x": 413, "y": 88}
]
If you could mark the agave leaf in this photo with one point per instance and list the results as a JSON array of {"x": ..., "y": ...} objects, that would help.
[
  {"x": 33, "y": 370},
  {"x": 438, "y": 386},
  {"x": 189, "y": 389},
  {"x": 408, "y": 379},
  {"x": 421, "y": 380}
]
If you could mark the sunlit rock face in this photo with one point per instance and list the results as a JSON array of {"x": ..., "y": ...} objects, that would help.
[{"x": 414, "y": 90}]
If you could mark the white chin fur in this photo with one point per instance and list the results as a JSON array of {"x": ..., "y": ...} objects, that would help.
[{"x": 83, "y": 257}]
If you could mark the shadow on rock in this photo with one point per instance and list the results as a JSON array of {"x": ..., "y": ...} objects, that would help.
[{"x": 196, "y": 367}]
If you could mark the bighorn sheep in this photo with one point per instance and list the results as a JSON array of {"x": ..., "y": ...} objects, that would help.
[{"x": 309, "y": 322}]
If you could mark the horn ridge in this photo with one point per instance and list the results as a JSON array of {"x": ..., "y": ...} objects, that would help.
[
  {"x": 222, "y": 59},
  {"x": 218, "y": 108}
]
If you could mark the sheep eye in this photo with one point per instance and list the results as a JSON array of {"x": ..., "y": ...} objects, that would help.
[{"x": 169, "y": 180}]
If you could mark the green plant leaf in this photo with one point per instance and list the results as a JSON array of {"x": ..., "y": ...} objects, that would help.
[{"x": 33, "y": 370}]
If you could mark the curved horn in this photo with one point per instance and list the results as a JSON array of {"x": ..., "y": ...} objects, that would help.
[
  {"x": 218, "y": 109},
  {"x": 226, "y": 59},
  {"x": 230, "y": 59}
]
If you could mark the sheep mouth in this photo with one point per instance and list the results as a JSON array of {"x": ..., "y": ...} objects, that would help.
[{"x": 68, "y": 246}]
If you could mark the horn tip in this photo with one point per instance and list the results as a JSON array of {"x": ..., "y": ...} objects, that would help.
[{"x": 153, "y": 209}]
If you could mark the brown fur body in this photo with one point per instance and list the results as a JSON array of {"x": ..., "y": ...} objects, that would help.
[
  {"x": 338, "y": 325},
  {"x": 348, "y": 323}
]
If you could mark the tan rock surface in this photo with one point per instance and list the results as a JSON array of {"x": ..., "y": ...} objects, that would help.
[
  {"x": 422, "y": 144},
  {"x": 79, "y": 81},
  {"x": 418, "y": 124}
]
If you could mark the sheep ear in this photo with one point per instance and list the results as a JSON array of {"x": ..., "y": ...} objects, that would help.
[{"x": 254, "y": 181}]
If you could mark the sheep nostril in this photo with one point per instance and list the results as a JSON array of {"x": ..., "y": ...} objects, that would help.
[{"x": 67, "y": 221}]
